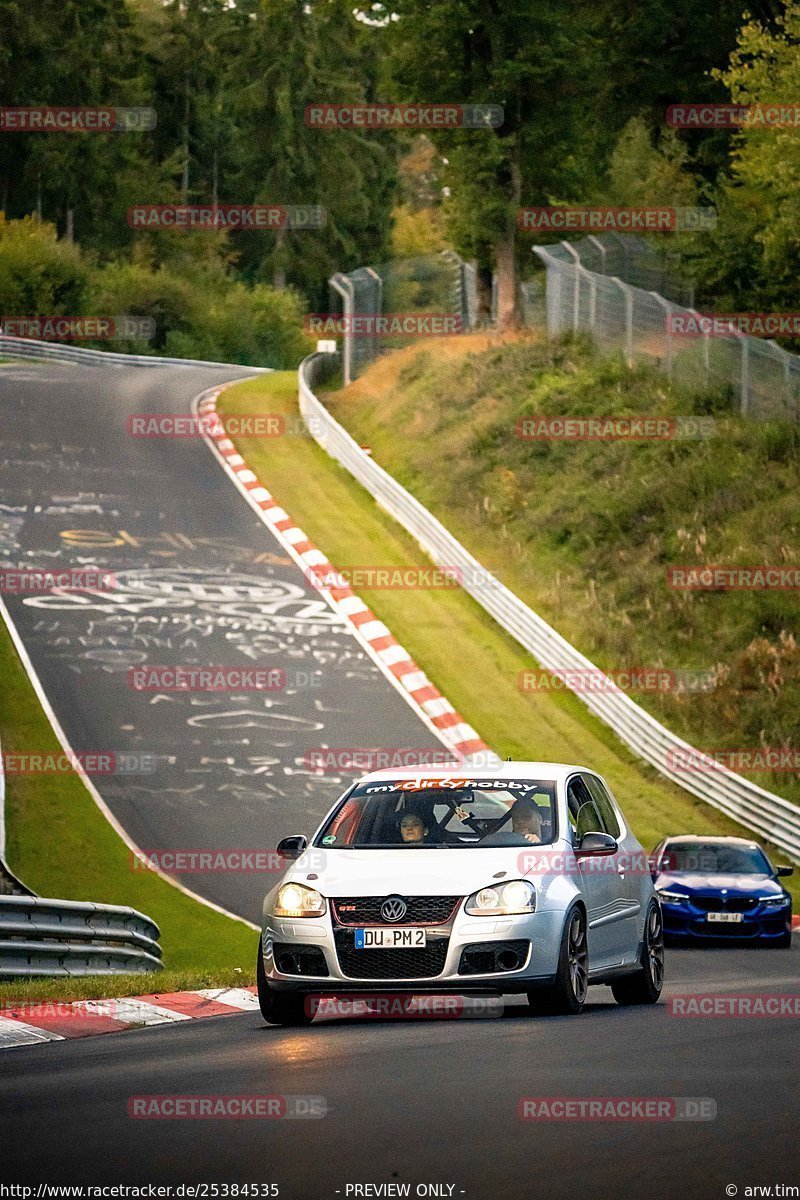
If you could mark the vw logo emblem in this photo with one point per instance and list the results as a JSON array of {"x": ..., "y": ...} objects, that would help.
[{"x": 394, "y": 909}]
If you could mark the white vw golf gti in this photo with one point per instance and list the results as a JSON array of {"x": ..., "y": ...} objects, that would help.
[{"x": 520, "y": 878}]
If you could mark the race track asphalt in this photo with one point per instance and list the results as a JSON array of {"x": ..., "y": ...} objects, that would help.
[
  {"x": 200, "y": 581},
  {"x": 431, "y": 1101}
]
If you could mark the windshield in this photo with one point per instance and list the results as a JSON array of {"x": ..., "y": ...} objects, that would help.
[
  {"x": 440, "y": 813},
  {"x": 714, "y": 859}
]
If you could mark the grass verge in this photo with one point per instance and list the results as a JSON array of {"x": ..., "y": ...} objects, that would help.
[
  {"x": 105, "y": 987},
  {"x": 463, "y": 651}
]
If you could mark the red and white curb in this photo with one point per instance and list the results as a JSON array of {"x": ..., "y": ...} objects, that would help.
[
  {"x": 29, "y": 1022},
  {"x": 393, "y": 659}
]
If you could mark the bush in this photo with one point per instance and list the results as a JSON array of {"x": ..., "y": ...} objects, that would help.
[
  {"x": 199, "y": 310},
  {"x": 39, "y": 275}
]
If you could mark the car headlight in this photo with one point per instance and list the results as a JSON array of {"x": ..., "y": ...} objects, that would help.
[
  {"x": 773, "y": 901},
  {"x": 295, "y": 900},
  {"x": 502, "y": 900},
  {"x": 672, "y": 897}
]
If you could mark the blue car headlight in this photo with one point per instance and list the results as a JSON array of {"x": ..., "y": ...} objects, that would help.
[
  {"x": 773, "y": 901},
  {"x": 673, "y": 897}
]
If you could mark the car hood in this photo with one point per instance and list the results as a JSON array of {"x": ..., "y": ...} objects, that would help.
[
  {"x": 740, "y": 885},
  {"x": 434, "y": 872}
]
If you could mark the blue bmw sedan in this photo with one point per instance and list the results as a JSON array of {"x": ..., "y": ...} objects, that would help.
[{"x": 714, "y": 888}]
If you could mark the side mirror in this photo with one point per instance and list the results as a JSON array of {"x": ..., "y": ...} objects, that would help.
[
  {"x": 292, "y": 847},
  {"x": 782, "y": 872},
  {"x": 596, "y": 844}
]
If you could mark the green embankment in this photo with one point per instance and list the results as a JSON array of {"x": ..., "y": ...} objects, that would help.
[{"x": 473, "y": 661}]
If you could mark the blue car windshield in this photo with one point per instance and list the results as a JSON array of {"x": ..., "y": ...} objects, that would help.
[
  {"x": 714, "y": 858},
  {"x": 455, "y": 813}
]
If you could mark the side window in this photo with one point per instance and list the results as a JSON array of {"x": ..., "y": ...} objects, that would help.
[
  {"x": 604, "y": 805},
  {"x": 583, "y": 814}
]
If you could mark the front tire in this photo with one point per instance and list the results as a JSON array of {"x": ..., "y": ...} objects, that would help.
[
  {"x": 568, "y": 994},
  {"x": 644, "y": 987},
  {"x": 279, "y": 1008}
]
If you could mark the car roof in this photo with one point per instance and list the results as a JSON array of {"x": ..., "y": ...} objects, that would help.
[
  {"x": 557, "y": 772},
  {"x": 710, "y": 840}
]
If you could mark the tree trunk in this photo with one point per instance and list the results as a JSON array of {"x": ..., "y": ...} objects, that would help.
[
  {"x": 505, "y": 276},
  {"x": 69, "y": 233},
  {"x": 278, "y": 271},
  {"x": 185, "y": 141},
  {"x": 505, "y": 257}
]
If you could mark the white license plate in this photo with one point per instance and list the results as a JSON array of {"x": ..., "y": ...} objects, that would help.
[
  {"x": 726, "y": 918},
  {"x": 390, "y": 939}
]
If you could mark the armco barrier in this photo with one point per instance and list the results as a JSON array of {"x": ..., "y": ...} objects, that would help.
[
  {"x": 41, "y": 937},
  {"x": 27, "y": 348},
  {"x": 759, "y": 810}
]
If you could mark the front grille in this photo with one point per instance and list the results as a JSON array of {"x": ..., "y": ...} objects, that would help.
[
  {"x": 366, "y": 910},
  {"x": 389, "y": 964},
  {"x": 723, "y": 903}
]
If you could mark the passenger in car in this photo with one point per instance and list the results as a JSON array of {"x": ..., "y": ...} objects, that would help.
[
  {"x": 526, "y": 820},
  {"x": 412, "y": 828}
]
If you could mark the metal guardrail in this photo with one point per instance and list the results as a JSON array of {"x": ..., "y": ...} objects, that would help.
[
  {"x": 41, "y": 937},
  {"x": 27, "y": 348},
  {"x": 769, "y": 815}
]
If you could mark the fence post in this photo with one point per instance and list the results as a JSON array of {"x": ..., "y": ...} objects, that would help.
[
  {"x": 344, "y": 287},
  {"x": 744, "y": 377},
  {"x": 602, "y": 249},
  {"x": 667, "y": 307},
  {"x": 576, "y": 293},
  {"x": 787, "y": 381},
  {"x": 628, "y": 294}
]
